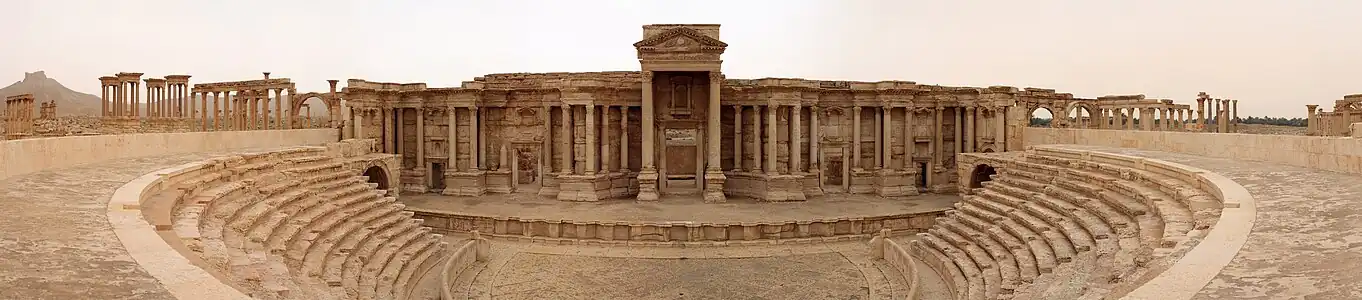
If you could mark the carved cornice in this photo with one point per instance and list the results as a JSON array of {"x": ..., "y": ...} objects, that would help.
[{"x": 705, "y": 41}]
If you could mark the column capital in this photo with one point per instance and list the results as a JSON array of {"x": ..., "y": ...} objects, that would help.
[
  {"x": 647, "y": 76},
  {"x": 715, "y": 76}
]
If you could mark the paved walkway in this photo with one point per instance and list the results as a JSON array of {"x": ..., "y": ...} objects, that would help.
[
  {"x": 527, "y": 205},
  {"x": 55, "y": 238},
  {"x": 1307, "y": 240}
]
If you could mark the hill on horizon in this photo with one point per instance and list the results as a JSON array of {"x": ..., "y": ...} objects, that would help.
[{"x": 44, "y": 89}]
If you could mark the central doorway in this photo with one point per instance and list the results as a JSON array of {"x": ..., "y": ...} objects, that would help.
[{"x": 682, "y": 163}]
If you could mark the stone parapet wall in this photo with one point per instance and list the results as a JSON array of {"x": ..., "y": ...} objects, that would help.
[
  {"x": 896, "y": 255},
  {"x": 18, "y": 157},
  {"x": 1338, "y": 154}
]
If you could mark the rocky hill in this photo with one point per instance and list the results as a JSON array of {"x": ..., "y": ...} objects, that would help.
[{"x": 69, "y": 102}]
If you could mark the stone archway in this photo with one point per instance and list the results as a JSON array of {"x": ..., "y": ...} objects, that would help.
[
  {"x": 332, "y": 105},
  {"x": 982, "y": 173},
  {"x": 377, "y": 174}
]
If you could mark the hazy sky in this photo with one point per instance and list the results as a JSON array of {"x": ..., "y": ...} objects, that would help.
[{"x": 1275, "y": 56}]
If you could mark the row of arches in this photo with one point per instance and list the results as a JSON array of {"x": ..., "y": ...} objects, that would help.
[{"x": 1081, "y": 115}]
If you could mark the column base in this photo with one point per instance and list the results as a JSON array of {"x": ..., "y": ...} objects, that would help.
[
  {"x": 766, "y": 187},
  {"x": 413, "y": 180},
  {"x": 813, "y": 187},
  {"x": 714, "y": 186},
  {"x": 862, "y": 181},
  {"x": 465, "y": 183},
  {"x": 583, "y": 188},
  {"x": 500, "y": 182},
  {"x": 647, "y": 185},
  {"x": 892, "y": 183},
  {"x": 620, "y": 184}
]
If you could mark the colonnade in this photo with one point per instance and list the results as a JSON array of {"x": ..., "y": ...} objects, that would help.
[
  {"x": 119, "y": 96},
  {"x": 1226, "y": 114},
  {"x": 19, "y": 110},
  {"x": 246, "y": 109},
  {"x": 599, "y": 157},
  {"x": 1150, "y": 118},
  {"x": 167, "y": 99}
]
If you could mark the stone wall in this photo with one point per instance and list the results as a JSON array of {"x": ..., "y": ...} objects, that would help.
[
  {"x": 18, "y": 157},
  {"x": 1337, "y": 154}
]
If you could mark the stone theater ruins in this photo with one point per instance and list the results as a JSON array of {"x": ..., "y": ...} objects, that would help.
[{"x": 672, "y": 181}]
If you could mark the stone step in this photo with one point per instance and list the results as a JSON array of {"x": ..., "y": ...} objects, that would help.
[
  {"x": 429, "y": 255},
  {"x": 281, "y": 234},
  {"x": 310, "y": 228},
  {"x": 381, "y": 269},
  {"x": 1007, "y": 265},
  {"x": 1046, "y": 259},
  {"x": 316, "y": 253},
  {"x": 1021, "y": 252},
  {"x": 338, "y": 255},
  {"x": 955, "y": 280},
  {"x": 977, "y": 287},
  {"x": 368, "y": 250}
]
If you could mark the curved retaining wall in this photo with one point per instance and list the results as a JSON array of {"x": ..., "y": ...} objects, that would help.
[
  {"x": 1339, "y": 154},
  {"x": 18, "y": 157},
  {"x": 475, "y": 250},
  {"x": 1198, "y": 266},
  {"x": 896, "y": 255}
]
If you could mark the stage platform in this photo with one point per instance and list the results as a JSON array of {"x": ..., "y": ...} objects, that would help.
[{"x": 677, "y": 221}]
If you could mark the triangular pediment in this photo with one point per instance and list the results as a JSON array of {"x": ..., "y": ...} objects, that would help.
[{"x": 681, "y": 39}]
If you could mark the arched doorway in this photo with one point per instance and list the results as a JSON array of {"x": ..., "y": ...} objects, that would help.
[
  {"x": 313, "y": 110},
  {"x": 1081, "y": 116},
  {"x": 1041, "y": 117},
  {"x": 377, "y": 175},
  {"x": 981, "y": 174}
]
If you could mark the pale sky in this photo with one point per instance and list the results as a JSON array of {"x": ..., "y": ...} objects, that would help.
[{"x": 1274, "y": 56}]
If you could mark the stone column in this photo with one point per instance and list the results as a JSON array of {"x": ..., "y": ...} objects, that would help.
[
  {"x": 909, "y": 139},
  {"x": 815, "y": 159},
  {"x": 1000, "y": 139},
  {"x": 252, "y": 106},
  {"x": 134, "y": 102},
  {"x": 713, "y": 130},
  {"x": 1130, "y": 117},
  {"x": 591, "y": 144},
  {"x": 566, "y": 135},
  {"x": 279, "y": 113},
  {"x": 624, "y": 139},
  {"x": 938, "y": 147},
  {"x": 203, "y": 112},
  {"x": 771, "y": 139},
  {"x": 477, "y": 138},
  {"x": 758, "y": 161},
  {"x": 737, "y": 138},
  {"x": 103, "y": 99},
  {"x": 401, "y": 135},
  {"x": 648, "y": 139},
  {"x": 882, "y": 138},
  {"x": 959, "y": 119},
  {"x": 387, "y": 130},
  {"x": 1234, "y": 117},
  {"x": 969, "y": 128},
  {"x": 420, "y": 141},
  {"x": 796, "y": 153},
  {"x": 1310, "y": 126},
  {"x": 453, "y": 138},
  {"x": 1223, "y": 118},
  {"x": 855, "y": 139}
]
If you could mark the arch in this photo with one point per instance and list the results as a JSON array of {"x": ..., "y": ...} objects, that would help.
[
  {"x": 377, "y": 175},
  {"x": 982, "y": 173},
  {"x": 1080, "y": 114},
  {"x": 332, "y": 103},
  {"x": 1035, "y": 120}
]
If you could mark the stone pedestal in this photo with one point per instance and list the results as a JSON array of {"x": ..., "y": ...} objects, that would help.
[
  {"x": 500, "y": 181},
  {"x": 863, "y": 181},
  {"x": 811, "y": 185},
  {"x": 467, "y": 183},
  {"x": 647, "y": 185},
  {"x": 619, "y": 184},
  {"x": 414, "y": 180},
  {"x": 892, "y": 183},
  {"x": 714, "y": 186},
  {"x": 771, "y": 188},
  {"x": 584, "y": 188}
]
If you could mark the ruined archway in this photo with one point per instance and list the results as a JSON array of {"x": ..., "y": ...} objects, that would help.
[
  {"x": 376, "y": 174},
  {"x": 981, "y": 174},
  {"x": 1041, "y": 116},
  {"x": 1081, "y": 115},
  {"x": 324, "y": 108}
]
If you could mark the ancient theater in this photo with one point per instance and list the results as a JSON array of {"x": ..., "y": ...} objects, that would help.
[{"x": 670, "y": 181}]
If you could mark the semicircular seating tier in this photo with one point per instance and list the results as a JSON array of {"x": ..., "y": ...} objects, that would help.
[
  {"x": 298, "y": 224},
  {"x": 1053, "y": 224}
]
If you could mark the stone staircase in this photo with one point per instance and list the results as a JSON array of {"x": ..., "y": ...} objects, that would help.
[
  {"x": 1049, "y": 225},
  {"x": 300, "y": 224}
]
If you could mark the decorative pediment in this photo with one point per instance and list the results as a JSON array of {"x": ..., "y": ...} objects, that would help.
[{"x": 681, "y": 39}]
